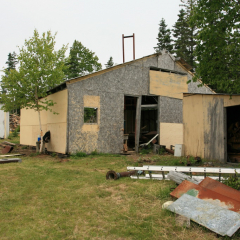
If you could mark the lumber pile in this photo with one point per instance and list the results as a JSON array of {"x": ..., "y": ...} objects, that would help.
[{"x": 14, "y": 121}]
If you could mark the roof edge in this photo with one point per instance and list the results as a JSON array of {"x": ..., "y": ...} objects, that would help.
[{"x": 73, "y": 80}]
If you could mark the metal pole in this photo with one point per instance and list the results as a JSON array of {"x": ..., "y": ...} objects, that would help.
[
  {"x": 133, "y": 46},
  {"x": 123, "y": 47}
]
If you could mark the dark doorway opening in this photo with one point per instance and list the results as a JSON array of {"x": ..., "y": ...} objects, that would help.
[
  {"x": 233, "y": 133},
  {"x": 130, "y": 104},
  {"x": 149, "y": 118}
]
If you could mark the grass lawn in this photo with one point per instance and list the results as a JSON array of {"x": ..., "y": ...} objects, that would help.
[{"x": 47, "y": 197}]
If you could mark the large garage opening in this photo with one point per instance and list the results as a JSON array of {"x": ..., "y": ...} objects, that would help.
[{"x": 233, "y": 133}]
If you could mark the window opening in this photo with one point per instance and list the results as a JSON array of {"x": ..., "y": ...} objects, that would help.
[{"x": 90, "y": 115}]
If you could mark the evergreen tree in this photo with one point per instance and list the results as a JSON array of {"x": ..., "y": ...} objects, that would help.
[
  {"x": 191, "y": 33},
  {"x": 181, "y": 33},
  {"x": 11, "y": 64},
  {"x": 164, "y": 38},
  {"x": 81, "y": 61},
  {"x": 12, "y": 61},
  {"x": 110, "y": 63}
]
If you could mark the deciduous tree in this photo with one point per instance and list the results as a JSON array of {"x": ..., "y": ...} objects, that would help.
[
  {"x": 218, "y": 44},
  {"x": 40, "y": 68}
]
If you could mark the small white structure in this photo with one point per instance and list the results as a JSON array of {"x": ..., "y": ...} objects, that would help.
[
  {"x": 4, "y": 123},
  {"x": 178, "y": 151}
]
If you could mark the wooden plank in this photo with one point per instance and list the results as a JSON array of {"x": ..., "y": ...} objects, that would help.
[
  {"x": 138, "y": 123},
  {"x": 149, "y": 106}
]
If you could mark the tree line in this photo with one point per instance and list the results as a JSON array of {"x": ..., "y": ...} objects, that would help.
[{"x": 206, "y": 35}]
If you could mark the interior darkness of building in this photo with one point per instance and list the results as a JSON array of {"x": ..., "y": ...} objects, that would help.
[
  {"x": 233, "y": 133},
  {"x": 148, "y": 119}
]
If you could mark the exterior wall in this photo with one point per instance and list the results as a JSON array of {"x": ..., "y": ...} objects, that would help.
[
  {"x": 204, "y": 124},
  {"x": 4, "y": 123},
  {"x": 55, "y": 123},
  {"x": 110, "y": 88}
]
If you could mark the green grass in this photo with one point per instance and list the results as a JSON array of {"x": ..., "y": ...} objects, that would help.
[{"x": 48, "y": 198}]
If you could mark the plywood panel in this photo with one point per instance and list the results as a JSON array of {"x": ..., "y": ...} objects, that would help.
[
  {"x": 231, "y": 101},
  {"x": 193, "y": 136},
  {"x": 56, "y": 123},
  {"x": 171, "y": 134},
  {"x": 168, "y": 84},
  {"x": 58, "y": 134}
]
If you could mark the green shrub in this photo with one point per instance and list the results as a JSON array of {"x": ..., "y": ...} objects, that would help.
[
  {"x": 94, "y": 153},
  {"x": 233, "y": 181},
  {"x": 79, "y": 155}
]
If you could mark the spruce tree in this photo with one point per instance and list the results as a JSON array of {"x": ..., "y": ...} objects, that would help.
[
  {"x": 181, "y": 33},
  {"x": 81, "y": 61},
  {"x": 191, "y": 32},
  {"x": 164, "y": 38},
  {"x": 109, "y": 63},
  {"x": 11, "y": 65},
  {"x": 12, "y": 61}
]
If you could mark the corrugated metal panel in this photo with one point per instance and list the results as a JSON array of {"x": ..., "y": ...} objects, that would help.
[
  {"x": 221, "y": 188},
  {"x": 215, "y": 218},
  {"x": 207, "y": 195}
]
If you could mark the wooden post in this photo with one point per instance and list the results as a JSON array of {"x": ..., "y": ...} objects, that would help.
[{"x": 138, "y": 123}]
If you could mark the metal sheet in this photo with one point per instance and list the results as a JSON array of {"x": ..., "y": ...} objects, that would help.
[
  {"x": 207, "y": 195},
  {"x": 221, "y": 188},
  {"x": 217, "y": 219}
]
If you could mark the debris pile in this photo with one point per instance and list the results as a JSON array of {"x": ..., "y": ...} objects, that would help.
[
  {"x": 201, "y": 199},
  {"x": 7, "y": 147},
  {"x": 210, "y": 203},
  {"x": 14, "y": 121}
]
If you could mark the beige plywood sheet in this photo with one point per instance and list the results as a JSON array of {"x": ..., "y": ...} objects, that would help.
[
  {"x": 60, "y": 107},
  {"x": 193, "y": 126},
  {"x": 171, "y": 134},
  {"x": 58, "y": 137},
  {"x": 92, "y": 102},
  {"x": 231, "y": 101},
  {"x": 168, "y": 84},
  {"x": 56, "y": 123},
  {"x": 91, "y": 130}
]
